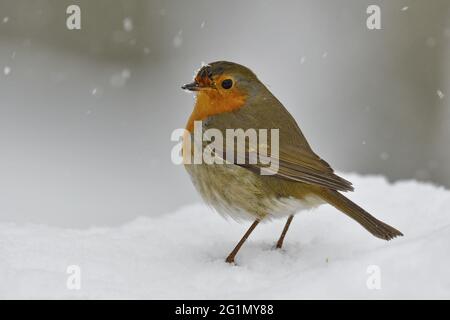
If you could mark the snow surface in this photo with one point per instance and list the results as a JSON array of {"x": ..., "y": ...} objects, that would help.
[{"x": 181, "y": 255}]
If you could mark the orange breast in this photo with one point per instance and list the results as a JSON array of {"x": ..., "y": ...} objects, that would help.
[{"x": 211, "y": 102}]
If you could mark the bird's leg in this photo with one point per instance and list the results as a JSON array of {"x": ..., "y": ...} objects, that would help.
[
  {"x": 283, "y": 234},
  {"x": 230, "y": 258}
]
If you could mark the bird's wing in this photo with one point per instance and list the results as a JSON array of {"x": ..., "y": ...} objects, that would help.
[
  {"x": 292, "y": 164},
  {"x": 296, "y": 160}
]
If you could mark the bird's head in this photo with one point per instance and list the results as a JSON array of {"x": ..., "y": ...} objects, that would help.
[
  {"x": 224, "y": 78},
  {"x": 221, "y": 86}
]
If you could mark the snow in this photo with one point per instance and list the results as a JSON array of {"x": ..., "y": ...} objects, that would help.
[
  {"x": 120, "y": 79},
  {"x": 178, "y": 39},
  {"x": 128, "y": 24},
  {"x": 6, "y": 70},
  {"x": 181, "y": 255}
]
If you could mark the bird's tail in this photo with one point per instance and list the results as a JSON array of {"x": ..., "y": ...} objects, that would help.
[{"x": 376, "y": 227}]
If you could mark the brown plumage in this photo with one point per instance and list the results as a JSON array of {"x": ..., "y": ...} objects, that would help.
[{"x": 230, "y": 96}]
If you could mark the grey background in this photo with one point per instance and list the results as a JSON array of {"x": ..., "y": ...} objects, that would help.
[{"x": 86, "y": 116}]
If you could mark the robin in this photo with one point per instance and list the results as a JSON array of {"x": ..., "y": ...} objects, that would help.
[{"x": 230, "y": 96}]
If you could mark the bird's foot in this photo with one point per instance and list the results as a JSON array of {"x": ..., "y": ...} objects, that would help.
[
  {"x": 230, "y": 260},
  {"x": 279, "y": 245}
]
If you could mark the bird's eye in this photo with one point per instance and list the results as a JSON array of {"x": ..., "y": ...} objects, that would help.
[{"x": 227, "y": 83}]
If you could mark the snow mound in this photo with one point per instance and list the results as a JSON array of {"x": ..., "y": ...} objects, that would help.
[{"x": 181, "y": 255}]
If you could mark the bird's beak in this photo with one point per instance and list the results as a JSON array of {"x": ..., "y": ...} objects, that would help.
[
  {"x": 193, "y": 86},
  {"x": 199, "y": 83}
]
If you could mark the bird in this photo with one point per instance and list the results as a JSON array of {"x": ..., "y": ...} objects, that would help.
[{"x": 230, "y": 96}]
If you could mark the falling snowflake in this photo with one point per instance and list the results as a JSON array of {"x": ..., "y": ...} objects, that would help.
[
  {"x": 440, "y": 94},
  {"x": 405, "y": 8},
  {"x": 302, "y": 60},
  {"x": 126, "y": 73},
  {"x": 128, "y": 24},
  {"x": 178, "y": 39},
  {"x": 324, "y": 55},
  {"x": 6, "y": 70},
  {"x": 202, "y": 25},
  {"x": 120, "y": 79},
  {"x": 5, "y": 19}
]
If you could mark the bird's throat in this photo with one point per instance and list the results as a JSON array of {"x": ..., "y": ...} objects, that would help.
[{"x": 212, "y": 102}]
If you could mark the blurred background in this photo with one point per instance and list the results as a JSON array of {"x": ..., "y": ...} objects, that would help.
[{"x": 86, "y": 115}]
